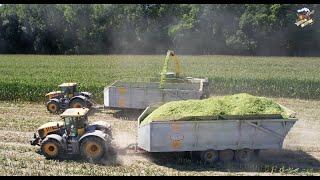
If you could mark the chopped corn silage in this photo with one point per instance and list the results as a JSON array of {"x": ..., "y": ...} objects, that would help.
[{"x": 238, "y": 104}]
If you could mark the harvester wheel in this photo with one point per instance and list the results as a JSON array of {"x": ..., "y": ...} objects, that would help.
[
  {"x": 93, "y": 148},
  {"x": 226, "y": 155},
  {"x": 77, "y": 103},
  {"x": 53, "y": 107},
  {"x": 51, "y": 149},
  {"x": 244, "y": 155},
  {"x": 209, "y": 156}
]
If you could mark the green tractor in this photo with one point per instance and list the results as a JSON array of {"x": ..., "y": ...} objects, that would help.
[
  {"x": 68, "y": 97},
  {"x": 74, "y": 136}
]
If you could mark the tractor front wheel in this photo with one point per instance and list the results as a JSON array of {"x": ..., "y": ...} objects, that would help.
[
  {"x": 77, "y": 103},
  {"x": 53, "y": 107},
  {"x": 93, "y": 148},
  {"x": 51, "y": 149}
]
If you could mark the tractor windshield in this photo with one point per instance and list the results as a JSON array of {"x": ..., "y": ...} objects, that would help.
[
  {"x": 68, "y": 91},
  {"x": 77, "y": 122},
  {"x": 65, "y": 90},
  {"x": 69, "y": 121},
  {"x": 73, "y": 124}
]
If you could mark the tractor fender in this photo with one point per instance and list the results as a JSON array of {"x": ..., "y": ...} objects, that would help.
[
  {"x": 54, "y": 99},
  {"x": 85, "y": 94},
  {"x": 102, "y": 126},
  {"x": 78, "y": 97},
  {"x": 57, "y": 138},
  {"x": 97, "y": 133}
]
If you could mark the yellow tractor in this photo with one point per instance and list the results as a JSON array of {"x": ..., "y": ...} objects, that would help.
[
  {"x": 74, "y": 136},
  {"x": 68, "y": 97}
]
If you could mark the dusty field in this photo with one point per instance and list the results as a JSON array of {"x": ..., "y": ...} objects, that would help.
[{"x": 301, "y": 154}]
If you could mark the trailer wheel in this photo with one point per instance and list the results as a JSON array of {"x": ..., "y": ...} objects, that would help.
[
  {"x": 244, "y": 155},
  {"x": 226, "y": 155},
  {"x": 209, "y": 156}
]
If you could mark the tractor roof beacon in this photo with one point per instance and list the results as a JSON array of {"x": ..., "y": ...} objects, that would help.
[{"x": 74, "y": 136}]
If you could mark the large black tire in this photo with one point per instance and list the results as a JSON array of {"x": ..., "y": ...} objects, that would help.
[
  {"x": 78, "y": 103},
  {"x": 93, "y": 149},
  {"x": 51, "y": 149},
  {"x": 53, "y": 107}
]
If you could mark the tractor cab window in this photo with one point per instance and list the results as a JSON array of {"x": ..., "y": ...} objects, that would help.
[
  {"x": 67, "y": 91},
  {"x": 69, "y": 121},
  {"x": 73, "y": 124},
  {"x": 64, "y": 90},
  {"x": 70, "y": 126}
]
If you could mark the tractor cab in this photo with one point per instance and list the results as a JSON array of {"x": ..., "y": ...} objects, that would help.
[
  {"x": 68, "y": 89},
  {"x": 75, "y": 121}
]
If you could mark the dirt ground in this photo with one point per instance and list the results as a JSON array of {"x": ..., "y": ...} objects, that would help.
[{"x": 18, "y": 121}]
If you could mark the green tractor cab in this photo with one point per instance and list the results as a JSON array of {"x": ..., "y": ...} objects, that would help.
[
  {"x": 74, "y": 136},
  {"x": 67, "y": 97}
]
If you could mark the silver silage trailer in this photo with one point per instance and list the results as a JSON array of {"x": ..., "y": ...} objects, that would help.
[
  {"x": 233, "y": 137},
  {"x": 140, "y": 95}
]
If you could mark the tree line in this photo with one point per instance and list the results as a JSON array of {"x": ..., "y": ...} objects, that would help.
[{"x": 237, "y": 29}]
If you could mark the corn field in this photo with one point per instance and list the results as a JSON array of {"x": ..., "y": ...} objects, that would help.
[{"x": 30, "y": 77}]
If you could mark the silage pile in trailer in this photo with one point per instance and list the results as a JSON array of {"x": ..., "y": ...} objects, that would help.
[{"x": 238, "y": 104}]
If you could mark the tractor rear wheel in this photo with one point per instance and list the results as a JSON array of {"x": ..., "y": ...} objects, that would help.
[
  {"x": 53, "y": 107},
  {"x": 51, "y": 149},
  {"x": 93, "y": 148},
  {"x": 77, "y": 103}
]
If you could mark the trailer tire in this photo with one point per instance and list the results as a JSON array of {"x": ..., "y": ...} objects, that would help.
[
  {"x": 244, "y": 155},
  {"x": 210, "y": 156}
]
